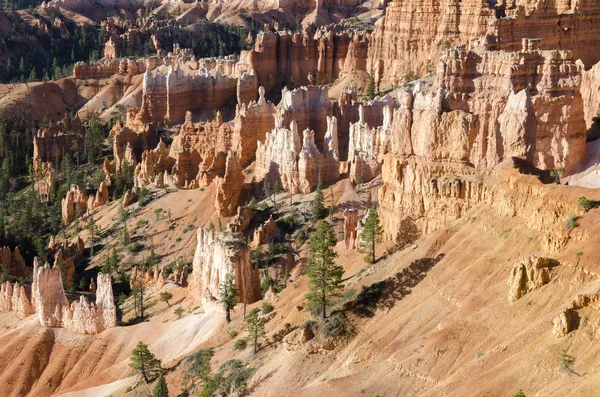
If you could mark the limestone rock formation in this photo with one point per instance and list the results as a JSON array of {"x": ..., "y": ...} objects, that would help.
[
  {"x": 230, "y": 189},
  {"x": 74, "y": 204},
  {"x": 240, "y": 222},
  {"x": 567, "y": 320},
  {"x": 529, "y": 274},
  {"x": 217, "y": 254},
  {"x": 13, "y": 262},
  {"x": 266, "y": 232},
  {"x": 350, "y": 232}
]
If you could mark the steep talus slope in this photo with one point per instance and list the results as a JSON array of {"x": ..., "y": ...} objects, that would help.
[{"x": 446, "y": 326}]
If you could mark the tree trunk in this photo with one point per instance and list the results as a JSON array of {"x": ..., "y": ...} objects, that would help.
[
  {"x": 228, "y": 315},
  {"x": 373, "y": 248}
]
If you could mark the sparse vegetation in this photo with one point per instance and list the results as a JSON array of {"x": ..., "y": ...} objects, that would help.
[
  {"x": 144, "y": 363},
  {"x": 371, "y": 234},
  {"x": 586, "y": 204},
  {"x": 519, "y": 394},
  {"x": 255, "y": 329},
  {"x": 267, "y": 308},
  {"x": 166, "y": 296},
  {"x": 229, "y": 296},
  {"x": 179, "y": 312},
  {"x": 240, "y": 344},
  {"x": 160, "y": 389},
  {"x": 565, "y": 360},
  {"x": 324, "y": 274},
  {"x": 571, "y": 221}
]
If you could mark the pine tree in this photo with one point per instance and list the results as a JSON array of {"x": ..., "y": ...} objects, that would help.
[
  {"x": 166, "y": 296},
  {"x": 317, "y": 207},
  {"x": 229, "y": 295},
  {"x": 324, "y": 275},
  {"x": 161, "y": 389},
  {"x": 144, "y": 363},
  {"x": 256, "y": 328},
  {"x": 371, "y": 234},
  {"x": 371, "y": 87}
]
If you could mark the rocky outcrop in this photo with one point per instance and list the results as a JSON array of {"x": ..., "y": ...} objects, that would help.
[
  {"x": 483, "y": 109},
  {"x": 230, "y": 189},
  {"x": 51, "y": 143},
  {"x": 529, "y": 274},
  {"x": 367, "y": 147},
  {"x": 16, "y": 298},
  {"x": 74, "y": 204},
  {"x": 131, "y": 139},
  {"x": 567, "y": 320},
  {"x": 218, "y": 254},
  {"x": 13, "y": 263},
  {"x": 53, "y": 309},
  {"x": 296, "y": 165},
  {"x": 251, "y": 124},
  {"x": 267, "y": 232},
  {"x": 350, "y": 232},
  {"x": 240, "y": 222},
  {"x": 408, "y": 40}
]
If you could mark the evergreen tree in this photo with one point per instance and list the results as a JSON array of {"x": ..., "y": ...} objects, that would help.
[
  {"x": 161, "y": 390},
  {"x": 317, "y": 207},
  {"x": 371, "y": 87},
  {"x": 229, "y": 295},
  {"x": 166, "y": 296},
  {"x": 324, "y": 275},
  {"x": 371, "y": 234},
  {"x": 256, "y": 328},
  {"x": 144, "y": 363},
  {"x": 91, "y": 226}
]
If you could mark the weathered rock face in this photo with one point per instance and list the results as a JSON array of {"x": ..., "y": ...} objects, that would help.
[
  {"x": 567, "y": 320},
  {"x": 218, "y": 254},
  {"x": 266, "y": 232},
  {"x": 529, "y": 274},
  {"x": 54, "y": 310},
  {"x": 13, "y": 262},
  {"x": 74, "y": 204},
  {"x": 240, "y": 222},
  {"x": 474, "y": 117},
  {"x": 409, "y": 38},
  {"x": 51, "y": 143},
  {"x": 251, "y": 124},
  {"x": 304, "y": 58},
  {"x": 230, "y": 189},
  {"x": 296, "y": 166},
  {"x": 367, "y": 147},
  {"x": 350, "y": 232},
  {"x": 131, "y": 139},
  {"x": 158, "y": 276},
  {"x": 15, "y": 297},
  {"x": 167, "y": 96}
]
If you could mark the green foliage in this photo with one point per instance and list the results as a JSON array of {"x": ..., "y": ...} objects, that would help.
[
  {"x": 570, "y": 221},
  {"x": 229, "y": 295},
  {"x": 556, "y": 173},
  {"x": 166, "y": 296},
  {"x": 240, "y": 344},
  {"x": 317, "y": 207},
  {"x": 199, "y": 365},
  {"x": 231, "y": 379},
  {"x": 371, "y": 234},
  {"x": 586, "y": 204},
  {"x": 565, "y": 360},
  {"x": 336, "y": 326},
  {"x": 179, "y": 312},
  {"x": 144, "y": 363},
  {"x": 267, "y": 283},
  {"x": 324, "y": 275},
  {"x": 233, "y": 334},
  {"x": 371, "y": 94},
  {"x": 267, "y": 308},
  {"x": 160, "y": 389},
  {"x": 519, "y": 394},
  {"x": 255, "y": 329},
  {"x": 136, "y": 247}
]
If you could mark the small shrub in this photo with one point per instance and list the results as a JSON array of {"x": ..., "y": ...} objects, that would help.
[
  {"x": 178, "y": 239},
  {"x": 565, "y": 360},
  {"x": 586, "y": 204},
  {"x": 136, "y": 247},
  {"x": 179, "y": 312},
  {"x": 233, "y": 334},
  {"x": 128, "y": 390},
  {"x": 240, "y": 344},
  {"x": 571, "y": 221},
  {"x": 336, "y": 325},
  {"x": 267, "y": 308},
  {"x": 519, "y": 394},
  {"x": 302, "y": 237}
]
